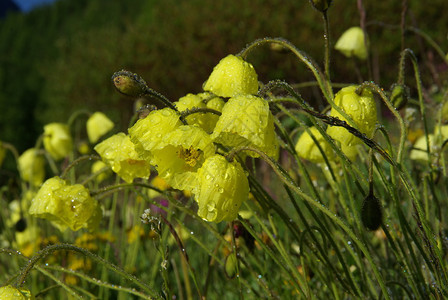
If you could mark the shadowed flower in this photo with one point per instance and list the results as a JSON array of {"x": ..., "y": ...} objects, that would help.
[
  {"x": 66, "y": 206},
  {"x": 247, "y": 121},
  {"x": 184, "y": 151},
  {"x": 98, "y": 125},
  {"x": 421, "y": 147},
  {"x": 119, "y": 153},
  {"x": 307, "y": 148},
  {"x": 222, "y": 187},
  {"x": 57, "y": 140},
  {"x": 232, "y": 76},
  {"x": 362, "y": 109},
  {"x": 206, "y": 121},
  {"x": 11, "y": 293},
  {"x": 149, "y": 133},
  {"x": 97, "y": 167},
  {"x": 31, "y": 167},
  {"x": 351, "y": 43}
]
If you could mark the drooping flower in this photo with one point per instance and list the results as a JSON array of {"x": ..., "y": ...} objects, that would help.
[
  {"x": 247, "y": 121},
  {"x": 149, "y": 133},
  {"x": 66, "y": 206},
  {"x": 232, "y": 76},
  {"x": 11, "y": 293},
  {"x": 307, "y": 148},
  {"x": 206, "y": 121},
  {"x": 362, "y": 109},
  {"x": 184, "y": 151},
  {"x": 57, "y": 140},
  {"x": 351, "y": 43},
  {"x": 31, "y": 166},
  {"x": 98, "y": 125},
  {"x": 222, "y": 187},
  {"x": 119, "y": 153}
]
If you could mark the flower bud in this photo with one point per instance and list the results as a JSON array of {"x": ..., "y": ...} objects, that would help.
[
  {"x": 371, "y": 212},
  {"x": 321, "y": 5},
  {"x": 231, "y": 266},
  {"x": 231, "y": 77},
  {"x": 351, "y": 43},
  {"x": 399, "y": 95},
  {"x": 57, "y": 140},
  {"x": 129, "y": 83},
  {"x": 98, "y": 125}
]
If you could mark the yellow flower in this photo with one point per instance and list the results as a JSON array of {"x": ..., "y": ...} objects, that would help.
[
  {"x": 11, "y": 293},
  {"x": 57, "y": 140},
  {"x": 231, "y": 77},
  {"x": 362, "y": 109},
  {"x": 119, "y": 153},
  {"x": 421, "y": 146},
  {"x": 66, "y": 205},
  {"x": 222, "y": 187},
  {"x": 247, "y": 121},
  {"x": 31, "y": 167},
  {"x": 307, "y": 148},
  {"x": 83, "y": 148},
  {"x": 206, "y": 121},
  {"x": 150, "y": 132},
  {"x": 98, "y": 166},
  {"x": 351, "y": 43},
  {"x": 160, "y": 183},
  {"x": 183, "y": 152},
  {"x": 98, "y": 125}
]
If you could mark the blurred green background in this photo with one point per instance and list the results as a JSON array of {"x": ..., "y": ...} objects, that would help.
[{"x": 58, "y": 59}]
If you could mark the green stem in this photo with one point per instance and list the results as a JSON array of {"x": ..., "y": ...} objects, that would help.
[{"x": 77, "y": 161}]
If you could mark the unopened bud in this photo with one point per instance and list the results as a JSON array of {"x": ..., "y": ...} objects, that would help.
[
  {"x": 321, "y": 5},
  {"x": 399, "y": 95},
  {"x": 371, "y": 213},
  {"x": 129, "y": 83}
]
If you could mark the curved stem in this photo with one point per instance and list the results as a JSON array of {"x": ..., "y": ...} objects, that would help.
[
  {"x": 324, "y": 85},
  {"x": 77, "y": 161}
]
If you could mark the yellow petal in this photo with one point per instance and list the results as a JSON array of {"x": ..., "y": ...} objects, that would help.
[
  {"x": 98, "y": 125},
  {"x": 57, "y": 140}
]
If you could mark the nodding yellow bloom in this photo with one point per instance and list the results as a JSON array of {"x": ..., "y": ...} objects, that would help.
[
  {"x": 150, "y": 132},
  {"x": 206, "y": 121},
  {"x": 11, "y": 293},
  {"x": 362, "y": 110},
  {"x": 183, "y": 153},
  {"x": 66, "y": 206},
  {"x": 351, "y": 43},
  {"x": 232, "y": 76},
  {"x": 31, "y": 166},
  {"x": 307, "y": 148},
  {"x": 119, "y": 153},
  {"x": 222, "y": 187},
  {"x": 247, "y": 121},
  {"x": 98, "y": 166},
  {"x": 98, "y": 125},
  {"x": 2, "y": 153},
  {"x": 57, "y": 140}
]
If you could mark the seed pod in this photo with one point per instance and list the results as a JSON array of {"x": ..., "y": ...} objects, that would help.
[
  {"x": 399, "y": 95},
  {"x": 129, "y": 83},
  {"x": 371, "y": 212}
]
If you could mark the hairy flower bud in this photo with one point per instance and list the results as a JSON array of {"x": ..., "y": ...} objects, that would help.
[
  {"x": 129, "y": 84},
  {"x": 321, "y": 5},
  {"x": 399, "y": 95},
  {"x": 371, "y": 212}
]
